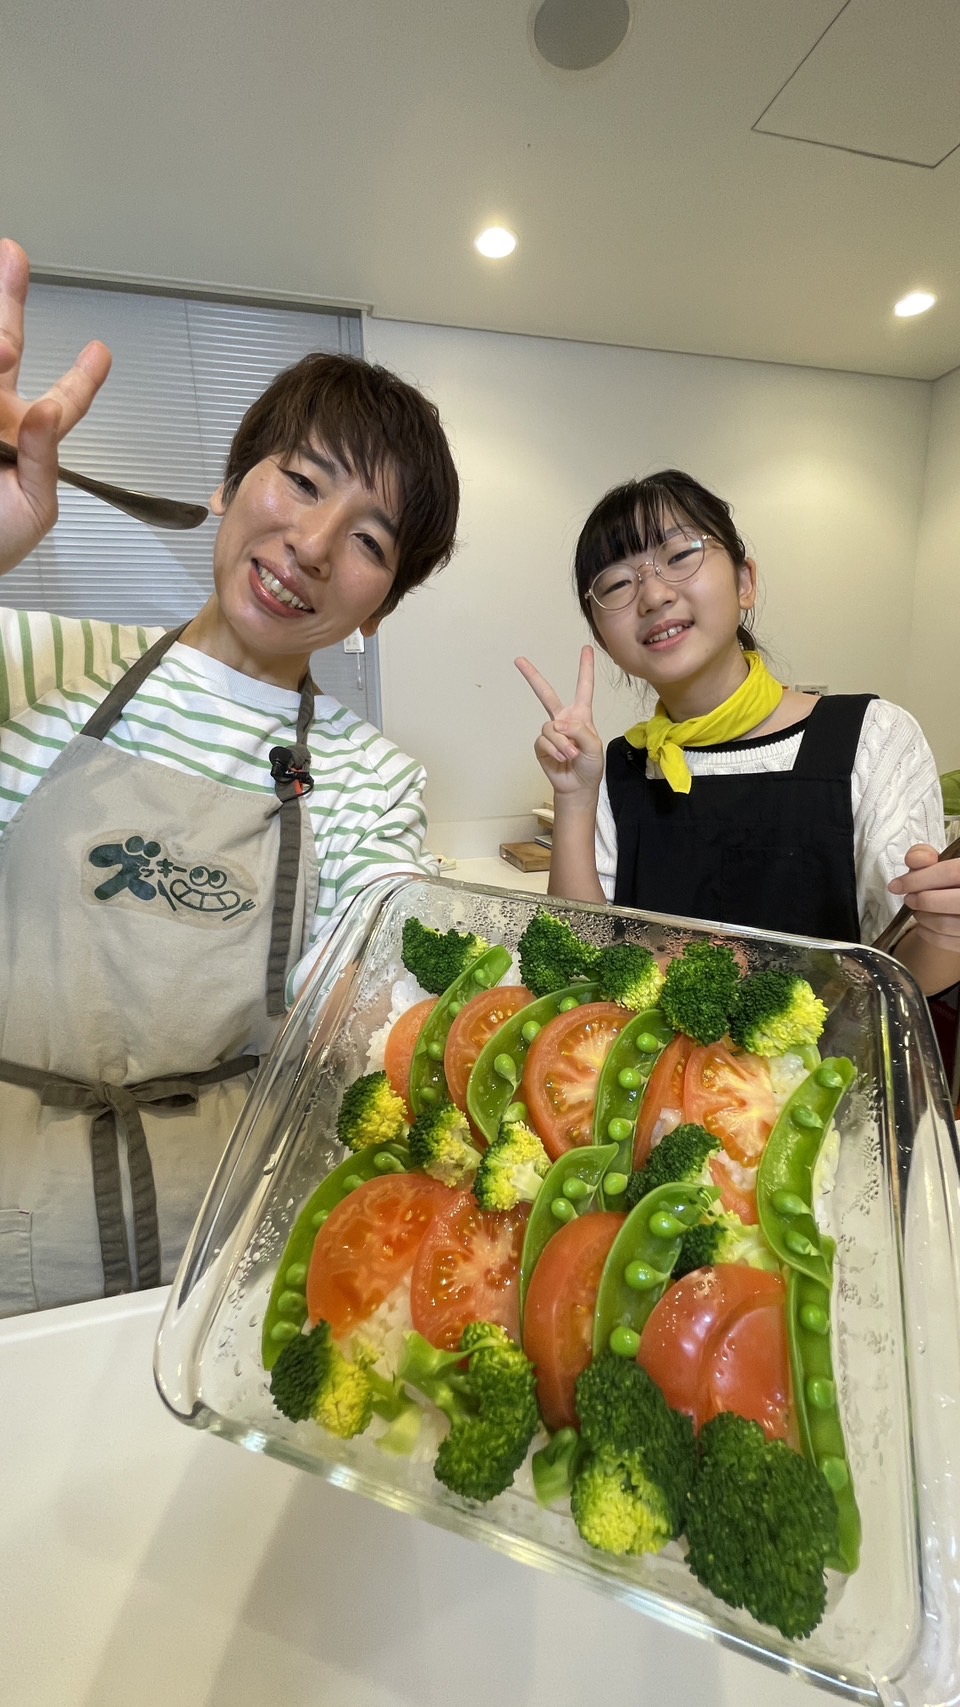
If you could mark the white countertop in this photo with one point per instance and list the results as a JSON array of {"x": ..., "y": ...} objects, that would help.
[
  {"x": 143, "y": 1564},
  {"x": 498, "y": 874}
]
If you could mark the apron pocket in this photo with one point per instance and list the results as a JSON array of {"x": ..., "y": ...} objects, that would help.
[{"x": 17, "y": 1291}]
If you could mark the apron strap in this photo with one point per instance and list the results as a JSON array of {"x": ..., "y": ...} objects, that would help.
[
  {"x": 290, "y": 769},
  {"x": 115, "y": 1108},
  {"x": 109, "y": 710}
]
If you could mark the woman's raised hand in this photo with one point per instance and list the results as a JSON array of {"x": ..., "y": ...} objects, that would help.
[
  {"x": 568, "y": 747},
  {"x": 28, "y": 490}
]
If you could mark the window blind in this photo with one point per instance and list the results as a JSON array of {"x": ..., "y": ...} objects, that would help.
[{"x": 184, "y": 371}]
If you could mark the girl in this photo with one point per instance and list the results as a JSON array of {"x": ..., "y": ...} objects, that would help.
[{"x": 739, "y": 799}]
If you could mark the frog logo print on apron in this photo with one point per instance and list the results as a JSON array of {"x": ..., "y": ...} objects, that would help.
[{"x": 128, "y": 869}]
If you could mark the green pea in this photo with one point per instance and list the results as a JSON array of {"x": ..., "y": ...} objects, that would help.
[
  {"x": 482, "y": 977},
  {"x": 505, "y": 1067},
  {"x": 563, "y": 1209},
  {"x": 807, "y": 1118},
  {"x": 454, "y": 1008},
  {"x": 788, "y": 1203},
  {"x": 615, "y": 1184},
  {"x": 292, "y": 1304},
  {"x": 835, "y": 1473},
  {"x": 428, "y": 1094},
  {"x": 829, "y": 1078},
  {"x": 283, "y": 1332},
  {"x": 618, "y": 1130},
  {"x": 435, "y": 1051},
  {"x": 815, "y": 1320},
  {"x": 531, "y": 1030},
  {"x": 647, "y": 1043},
  {"x": 575, "y": 1188},
  {"x": 321, "y": 1216},
  {"x": 515, "y": 1111},
  {"x": 800, "y": 1245},
  {"x": 296, "y": 1274},
  {"x": 352, "y": 1181},
  {"x": 387, "y": 1164},
  {"x": 624, "y": 1342},
  {"x": 822, "y": 1393},
  {"x": 665, "y": 1226},
  {"x": 628, "y": 1079},
  {"x": 640, "y": 1277},
  {"x": 568, "y": 1003}
]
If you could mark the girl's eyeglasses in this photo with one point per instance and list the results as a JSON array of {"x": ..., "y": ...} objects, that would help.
[{"x": 675, "y": 559}]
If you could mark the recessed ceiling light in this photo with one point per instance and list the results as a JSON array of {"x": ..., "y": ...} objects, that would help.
[
  {"x": 917, "y": 302},
  {"x": 496, "y": 242}
]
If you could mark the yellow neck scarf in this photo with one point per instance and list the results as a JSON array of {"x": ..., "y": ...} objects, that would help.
[{"x": 753, "y": 701}]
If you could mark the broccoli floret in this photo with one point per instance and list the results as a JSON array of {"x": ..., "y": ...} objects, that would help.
[
  {"x": 760, "y": 1524},
  {"x": 371, "y": 1113},
  {"x": 629, "y": 975},
  {"x": 555, "y": 1466},
  {"x": 313, "y": 1378},
  {"x": 512, "y": 1170},
  {"x": 699, "y": 991},
  {"x": 723, "y": 1239},
  {"x": 774, "y": 1012},
  {"x": 491, "y": 1406},
  {"x": 436, "y": 958},
  {"x": 682, "y": 1157},
  {"x": 441, "y": 1145},
  {"x": 551, "y": 955},
  {"x": 630, "y": 1489}
]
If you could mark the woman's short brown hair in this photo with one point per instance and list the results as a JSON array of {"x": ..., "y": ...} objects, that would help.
[{"x": 376, "y": 425}]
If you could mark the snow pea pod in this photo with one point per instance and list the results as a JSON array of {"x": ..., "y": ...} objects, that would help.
[
  {"x": 785, "y": 1174},
  {"x": 287, "y": 1305},
  {"x": 623, "y": 1080},
  {"x": 640, "y": 1263},
  {"x": 499, "y": 1066},
  {"x": 428, "y": 1082},
  {"x": 569, "y": 1189},
  {"x": 815, "y": 1398}
]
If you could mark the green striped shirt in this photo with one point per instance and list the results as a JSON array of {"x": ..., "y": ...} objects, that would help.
[{"x": 197, "y": 715}]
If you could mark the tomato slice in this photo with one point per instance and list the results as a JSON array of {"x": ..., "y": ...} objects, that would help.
[
  {"x": 559, "y": 1084},
  {"x": 467, "y": 1269},
  {"x": 401, "y": 1044},
  {"x": 473, "y": 1027},
  {"x": 558, "y": 1313},
  {"x": 367, "y": 1245},
  {"x": 731, "y": 1095},
  {"x": 738, "y": 1194},
  {"x": 704, "y": 1360},
  {"x": 749, "y": 1368},
  {"x": 663, "y": 1097}
]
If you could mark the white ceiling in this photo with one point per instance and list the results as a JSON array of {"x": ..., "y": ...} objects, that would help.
[{"x": 350, "y": 150}]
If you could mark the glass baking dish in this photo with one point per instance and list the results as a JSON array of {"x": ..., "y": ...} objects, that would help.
[{"x": 891, "y": 1632}]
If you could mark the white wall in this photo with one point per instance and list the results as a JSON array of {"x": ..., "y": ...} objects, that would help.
[
  {"x": 935, "y": 655},
  {"x": 825, "y": 471}
]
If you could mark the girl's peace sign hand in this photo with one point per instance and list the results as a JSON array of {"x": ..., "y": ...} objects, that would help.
[
  {"x": 28, "y": 490},
  {"x": 568, "y": 747}
]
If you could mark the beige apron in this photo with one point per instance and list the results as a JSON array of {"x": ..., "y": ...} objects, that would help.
[{"x": 147, "y": 922}]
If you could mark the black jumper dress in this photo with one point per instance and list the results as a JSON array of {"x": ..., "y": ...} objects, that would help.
[{"x": 773, "y": 849}]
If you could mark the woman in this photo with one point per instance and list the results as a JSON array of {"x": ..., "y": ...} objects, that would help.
[
  {"x": 739, "y": 799},
  {"x": 183, "y": 816}
]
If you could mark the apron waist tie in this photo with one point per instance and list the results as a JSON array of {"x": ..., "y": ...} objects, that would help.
[{"x": 116, "y": 1108}]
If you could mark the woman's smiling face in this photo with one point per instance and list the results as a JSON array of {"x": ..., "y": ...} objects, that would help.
[{"x": 305, "y": 554}]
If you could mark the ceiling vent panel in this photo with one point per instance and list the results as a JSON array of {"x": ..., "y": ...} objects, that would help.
[{"x": 881, "y": 80}]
